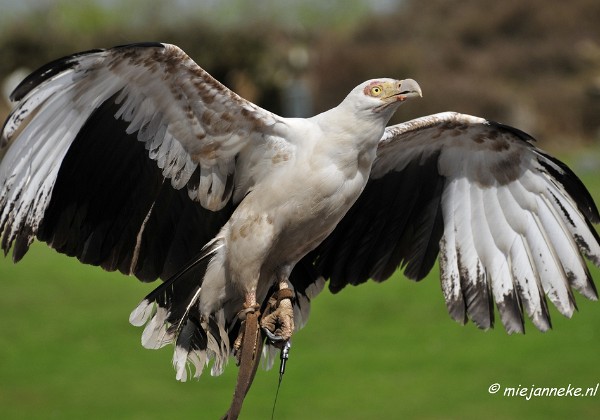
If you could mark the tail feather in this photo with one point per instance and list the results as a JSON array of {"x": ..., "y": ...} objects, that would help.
[
  {"x": 156, "y": 334},
  {"x": 191, "y": 346},
  {"x": 171, "y": 314}
]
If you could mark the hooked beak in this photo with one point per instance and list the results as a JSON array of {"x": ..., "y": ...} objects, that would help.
[
  {"x": 408, "y": 88},
  {"x": 398, "y": 91}
]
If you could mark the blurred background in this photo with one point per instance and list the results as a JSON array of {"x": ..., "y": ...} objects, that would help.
[{"x": 389, "y": 350}]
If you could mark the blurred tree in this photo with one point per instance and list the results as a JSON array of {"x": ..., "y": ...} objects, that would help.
[
  {"x": 522, "y": 63},
  {"x": 512, "y": 61}
]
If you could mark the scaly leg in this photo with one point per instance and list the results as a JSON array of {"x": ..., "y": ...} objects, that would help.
[{"x": 250, "y": 307}]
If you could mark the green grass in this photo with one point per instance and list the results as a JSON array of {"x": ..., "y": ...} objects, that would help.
[{"x": 375, "y": 351}]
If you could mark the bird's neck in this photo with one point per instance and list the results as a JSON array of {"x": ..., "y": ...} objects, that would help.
[
  {"x": 350, "y": 129},
  {"x": 349, "y": 142}
]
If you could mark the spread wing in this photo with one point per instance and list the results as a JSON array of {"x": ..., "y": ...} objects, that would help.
[
  {"x": 510, "y": 223},
  {"x": 109, "y": 148}
]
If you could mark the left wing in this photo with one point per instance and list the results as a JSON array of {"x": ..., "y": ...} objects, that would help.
[
  {"x": 131, "y": 158},
  {"x": 510, "y": 223}
]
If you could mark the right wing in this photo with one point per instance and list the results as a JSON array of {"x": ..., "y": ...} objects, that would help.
[{"x": 509, "y": 223}]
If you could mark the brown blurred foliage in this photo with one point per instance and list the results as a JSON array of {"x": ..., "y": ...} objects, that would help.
[
  {"x": 236, "y": 55},
  {"x": 534, "y": 64}
]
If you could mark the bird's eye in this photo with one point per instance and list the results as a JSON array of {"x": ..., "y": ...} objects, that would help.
[{"x": 376, "y": 90}]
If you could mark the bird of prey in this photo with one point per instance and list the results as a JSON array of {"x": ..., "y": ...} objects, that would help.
[{"x": 135, "y": 159}]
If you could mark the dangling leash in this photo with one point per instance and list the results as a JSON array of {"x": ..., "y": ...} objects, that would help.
[{"x": 251, "y": 351}]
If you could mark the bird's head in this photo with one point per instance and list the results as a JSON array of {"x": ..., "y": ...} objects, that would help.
[{"x": 382, "y": 96}]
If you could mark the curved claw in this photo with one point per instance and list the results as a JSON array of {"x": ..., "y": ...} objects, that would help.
[{"x": 273, "y": 338}]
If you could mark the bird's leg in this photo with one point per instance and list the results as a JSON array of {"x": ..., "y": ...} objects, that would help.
[
  {"x": 278, "y": 322},
  {"x": 250, "y": 307}
]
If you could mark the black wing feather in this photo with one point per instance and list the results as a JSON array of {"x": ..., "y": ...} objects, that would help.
[{"x": 105, "y": 190}]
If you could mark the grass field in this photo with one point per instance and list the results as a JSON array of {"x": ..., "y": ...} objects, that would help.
[{"x": 376, "y": 351}]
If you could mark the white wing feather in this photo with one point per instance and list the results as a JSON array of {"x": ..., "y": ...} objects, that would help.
[{"x": 511, "y": 227}]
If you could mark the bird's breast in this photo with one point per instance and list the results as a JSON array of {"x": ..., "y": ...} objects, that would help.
[{"x": 313, "y": 205}]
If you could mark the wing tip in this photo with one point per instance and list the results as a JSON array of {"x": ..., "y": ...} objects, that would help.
[
  {"x": 59, "y": 65},
  {"x": 46, "y": 72}
]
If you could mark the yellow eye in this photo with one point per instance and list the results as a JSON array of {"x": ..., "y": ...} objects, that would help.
[{"x": 376, "y": 90}]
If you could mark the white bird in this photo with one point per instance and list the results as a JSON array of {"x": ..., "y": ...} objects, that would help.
[{"x": 135, "y": 159}]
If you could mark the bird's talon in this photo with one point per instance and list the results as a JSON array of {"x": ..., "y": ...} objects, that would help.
[
  {"x": 237, "y": 344},
  {"x": 278, "y": 325},
  {"x": 273, "y": 338}
]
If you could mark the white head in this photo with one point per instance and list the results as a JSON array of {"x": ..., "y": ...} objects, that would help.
[{"x": 381, "y": 97}]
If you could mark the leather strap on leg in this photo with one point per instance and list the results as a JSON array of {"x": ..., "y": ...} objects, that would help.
[
  {"x": 281, "y": 294},
  {"x": 276, "y": 298}
]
